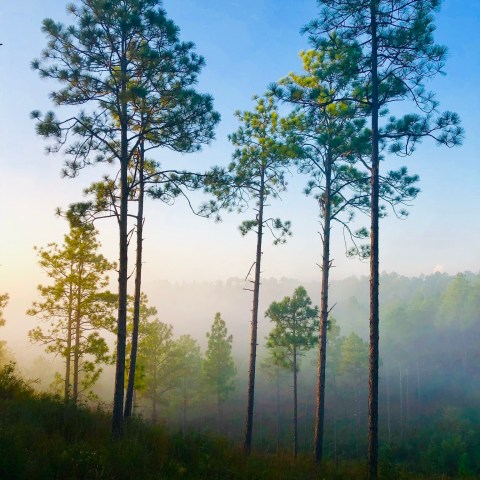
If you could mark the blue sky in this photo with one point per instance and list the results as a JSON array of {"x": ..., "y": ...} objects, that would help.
[{"x": 247, "y": 45}]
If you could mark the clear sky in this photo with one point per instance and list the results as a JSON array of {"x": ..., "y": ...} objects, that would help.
[{"x": 247, "y": 45}]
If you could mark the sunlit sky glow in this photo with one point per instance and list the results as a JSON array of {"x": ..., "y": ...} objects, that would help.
[{"x": 247, "y": 45}]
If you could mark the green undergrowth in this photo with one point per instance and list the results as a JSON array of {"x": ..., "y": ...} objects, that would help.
[{"x": 40, "y": 438}]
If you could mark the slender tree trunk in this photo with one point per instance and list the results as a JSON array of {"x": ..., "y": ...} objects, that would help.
[
  {"x": 138, "y": 286},
  {"x": 295, "y": 402},
  {"x": 322, "y": 337},
  {"x": 374, "y": 261},
  {"x": 219, "y": 412},
  {"x": 68, "y": 353},
  {"x": 184, "y": 413},
  {"x": 357, "y": 420},
  {"x": 76, "y": 356},
  {"x": 118, "y": 396},
  {"x": 407, "y": 401},
  {"x": 247, "y": 446},
  {"x": 335, "y": 418},
  {"x": 154, "y": 396},
  {"x": 401, "y": 401},
  {"x": 418, "y": 386},
  {"x": 78, "y": 319},
  {"x": 277, "y": 408},
  {"x": 388, "y": 407}
]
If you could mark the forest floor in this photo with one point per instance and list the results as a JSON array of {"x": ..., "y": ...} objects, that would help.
[{"x": 42, "y": 439}]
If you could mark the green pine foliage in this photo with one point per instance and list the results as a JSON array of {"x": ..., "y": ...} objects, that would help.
[
  {"x": 218, "y": 366},
  {"x": 77, "y": 308}
]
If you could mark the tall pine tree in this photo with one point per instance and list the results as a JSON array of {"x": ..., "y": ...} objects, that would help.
[
  {"x": 124, "y": 61},
  {"x": 398, "y": 55}
]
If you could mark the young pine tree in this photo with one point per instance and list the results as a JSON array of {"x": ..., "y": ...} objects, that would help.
[
  {"x": 76, "y": 307},
  {"x": 189, "y": 368},
  {"x": 157, "y": 362},
  {"x": 294, "y": 332},
  {"x": 218, "y": 365}
]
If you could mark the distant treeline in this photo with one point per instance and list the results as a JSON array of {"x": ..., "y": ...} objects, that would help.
[{"x": 429, "y": 379}]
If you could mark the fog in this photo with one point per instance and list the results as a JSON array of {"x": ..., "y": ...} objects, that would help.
[{"x": 429, "y": 379}]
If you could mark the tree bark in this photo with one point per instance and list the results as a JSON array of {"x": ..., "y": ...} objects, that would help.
[
  {"x": 322, "y": 337},
  {"x": 138, "y": 286},
  {"x": 374, "y": 261},
  {"x": 247, "y": 447},
  {"x": 118, "y": 396}
]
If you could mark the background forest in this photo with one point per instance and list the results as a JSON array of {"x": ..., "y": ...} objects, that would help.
[{"x": 428, "y": 376}]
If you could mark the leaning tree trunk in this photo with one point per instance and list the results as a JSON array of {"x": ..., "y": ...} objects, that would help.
[
  {"x": 374, "y": 261},
  {"x": 138, "y": 286},
  {"x": 322, "y": 337},
  {"x": 118, "y": 396},
  {"x": 247, "y": 447}
]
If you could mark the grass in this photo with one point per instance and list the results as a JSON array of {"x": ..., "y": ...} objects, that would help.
[{"x": 41, "y": 439}]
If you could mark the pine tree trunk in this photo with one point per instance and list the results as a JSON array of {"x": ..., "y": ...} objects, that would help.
[
  {"x": 138, "y": 286},
  {"x": 418, "y": 387},
  {"x": 322, "y": 338},
  {"x": 219, "y": 412},
  {"x": 401, "y": 401},
  {"x": 374, "y": 260},
  {"x": 295, "y": 403},
  {"x": 76, "y": 358},
  {"x": 184, "y": 413},
  {"x": 118, "y": 396},
  {"x": 357, "y": 420},
  {"x": 68, "y": 353},
  {"x": 154, "y": 396},
  {"x": 407, "y": 401},
  {"x": 247, "y": 447},
  {"x": 76, "y": 350},
  {"x": 277, "y": 409},
  {"x": 335, "y": 418},
  {"x": 388, "y": 406}
]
